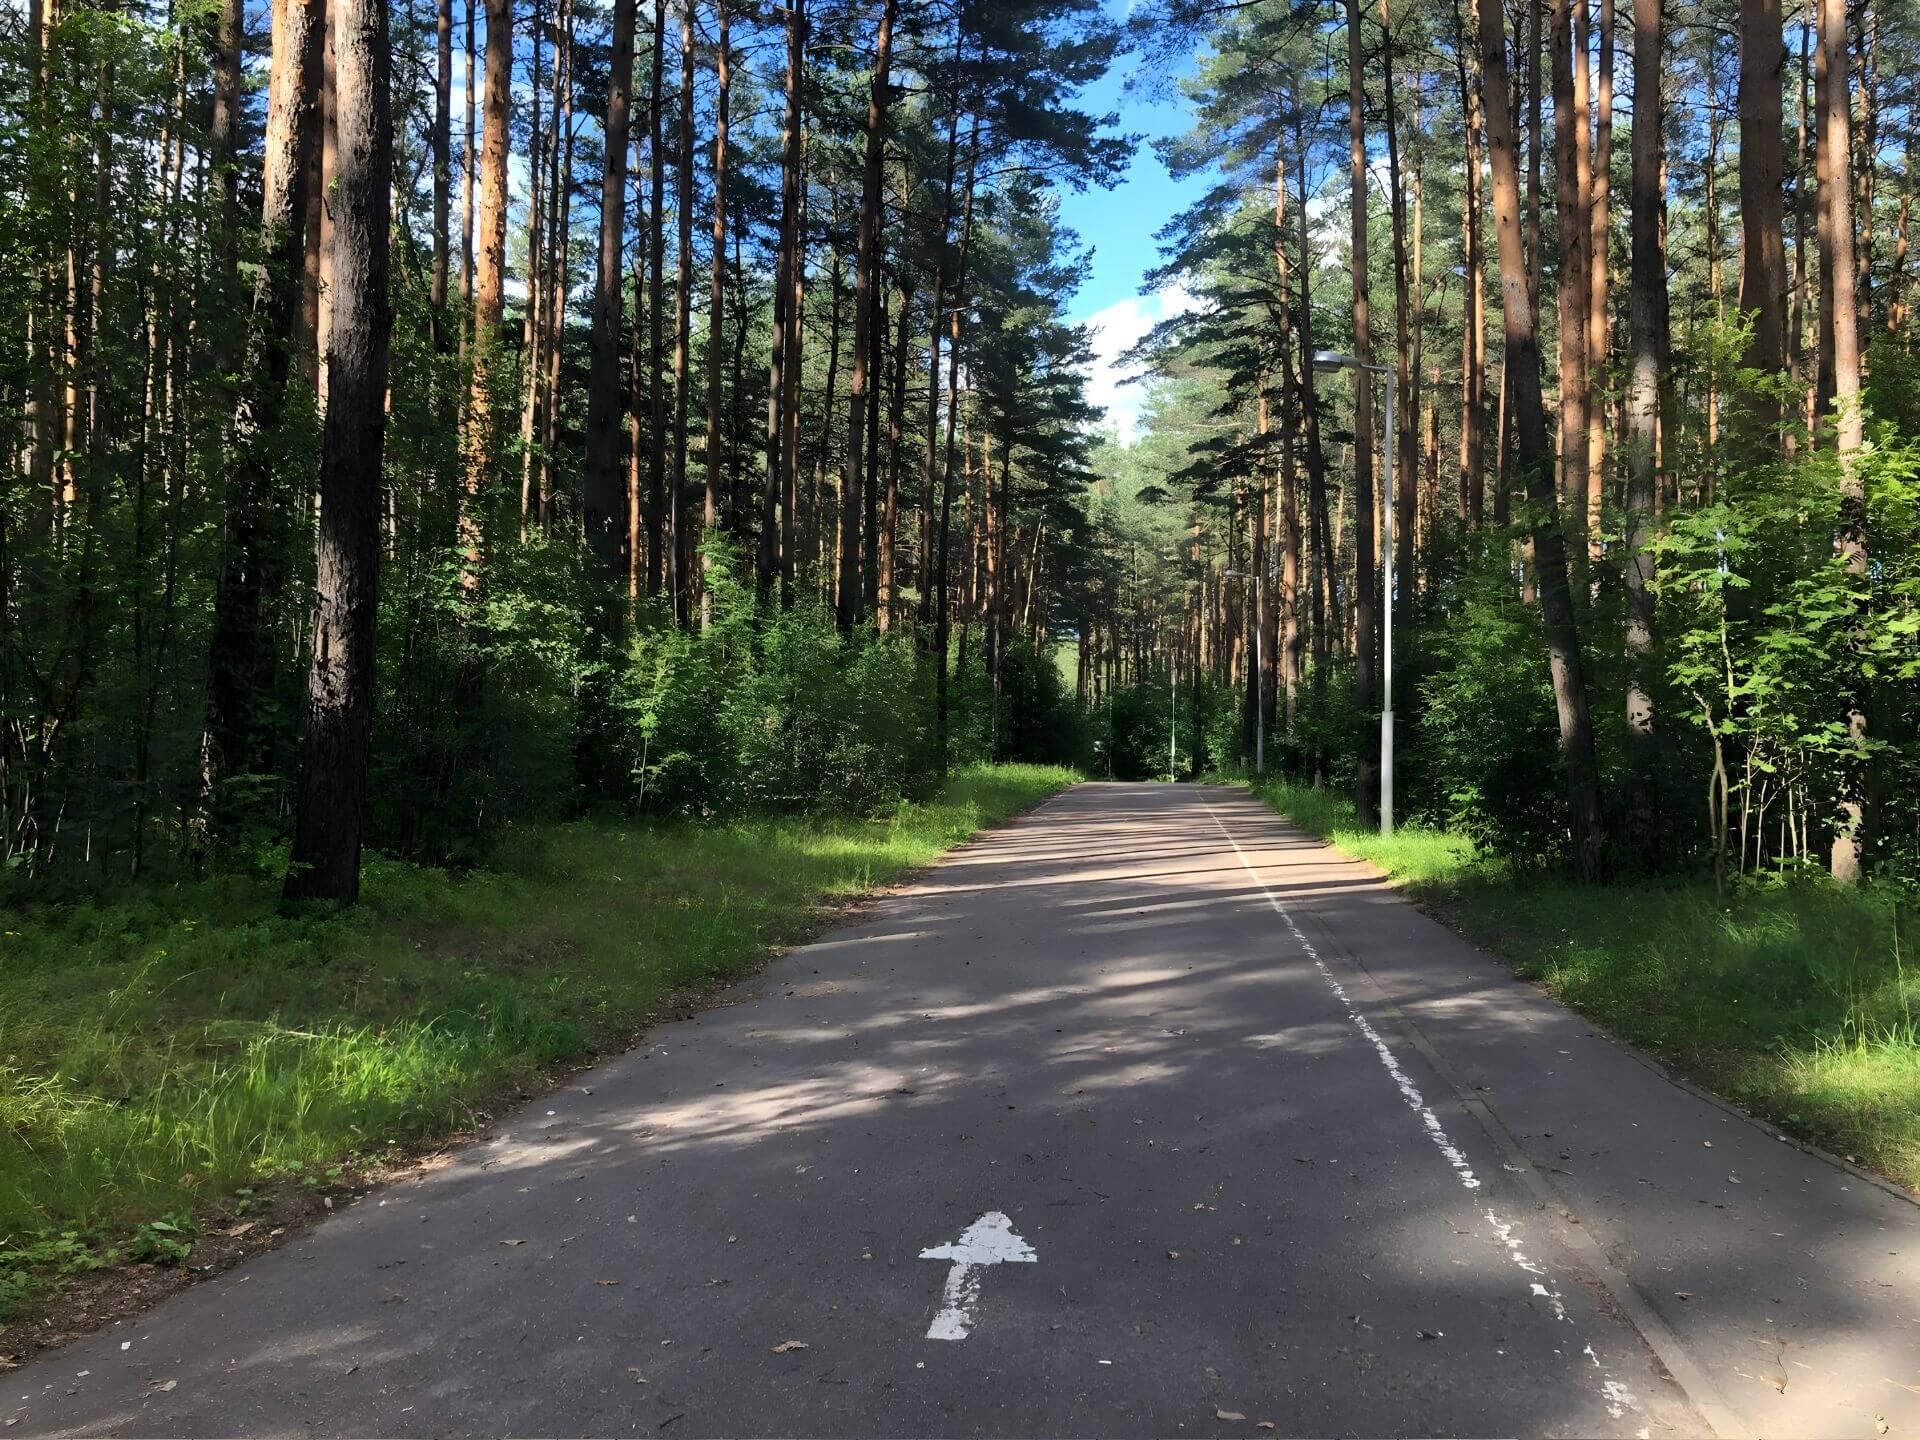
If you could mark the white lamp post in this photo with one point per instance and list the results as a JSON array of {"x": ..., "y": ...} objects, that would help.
[
  {"x": 1259, "y": 676},
  {"x": 1333, "y": 360}
]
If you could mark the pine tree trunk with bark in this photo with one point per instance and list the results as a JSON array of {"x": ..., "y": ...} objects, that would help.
[
  {"x": 1533, "y": 458},
  {"x": 852, "y": 589},
  {"x": 656, "y": 311},
  {"x": 489, "y": 286},
  {"x": 773, "y": 490},
  {"x": 1599, "y": 332},
  {"x": 1646, "y": 315},
  {"x": 1365, "y": 586},
  {"x": 1841, "y": 343},
  {"x": 1763, "y": 257},
  {"x": 716, "y": 301},
  {"x": 602, "y": 482},
  {"x": 235, "y": 739},
  {"x": 329, "y": 812}
]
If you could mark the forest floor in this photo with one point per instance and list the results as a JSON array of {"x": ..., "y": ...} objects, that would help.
[
  {"x": 185, "y": 1072},
  {"x": 1793, "y": 998}
]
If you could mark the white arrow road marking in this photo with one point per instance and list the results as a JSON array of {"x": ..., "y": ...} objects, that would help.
[{"x": 990, "y": 1240}]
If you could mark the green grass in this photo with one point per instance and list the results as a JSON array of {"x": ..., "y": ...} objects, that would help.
[
  {"x": 1798, "y": 1000},
  {"x": 162, "y": 1048}
]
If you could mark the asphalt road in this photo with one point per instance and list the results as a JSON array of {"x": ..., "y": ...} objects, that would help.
[{"x": 1240, "y": 1142}]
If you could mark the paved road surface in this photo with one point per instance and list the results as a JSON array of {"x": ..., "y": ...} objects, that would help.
[{"x": 1281, "y": 1148}]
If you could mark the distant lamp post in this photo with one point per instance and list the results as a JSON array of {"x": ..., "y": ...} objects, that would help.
[
  {"x": 1259, "y": 675},
  {"x": 1328, "y": 360}
]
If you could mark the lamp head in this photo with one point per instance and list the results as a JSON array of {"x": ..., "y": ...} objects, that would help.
[{"x": 1332, "y": 360}]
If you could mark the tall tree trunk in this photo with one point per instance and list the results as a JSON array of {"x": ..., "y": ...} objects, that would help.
[
  {"x": 656, "y": 312},
  {"x": 468, "y": 164},
  {"x": 532, "y": 335},
  {"x": 1366, "y": 791},
  {"x": 602, "y": 489},
  {"x": 1321, "y": 554},
  {"x": 1716, "y": 128},
  {"x": 1763, "y": 256},
  {"x": 1534, "y": 459},
  {"x": 772, "y": 492},
  {"x": 489, "y": 281},
  {"x": 1865, "y": 151},
  {"x": 896, "y": 438},
  {"x": 1288, "y": 663},
  {"x": 1598, "y": 330},
  {"x": 235, "y": 738},
  {"x": 716, "y": 299},
  {"x": 1646, "y": 314},
  {"x": 559, "y": 269},
  {"x": 1897, "y": 265},
  {"x": 1841, "y": 340},
  {"x": 930, "y": 463},
  {"x": 559, "y": 247},
  {"x": 1406, "y": 286},
  {"x": 325, "y": 859},
  {"x": 790, "y": 375},
  {"x": 866, "y": 249},
  {"x": 1536, "y": 10},
  {"x": 1473, "y": 343},
  {"x": 1571, "y": 182},
  {"x": 442, "y": 148},
  {"x": 683, "y": 324},
  {"x": 958, "y": 294},
  {"x": 827, "y": 548}
]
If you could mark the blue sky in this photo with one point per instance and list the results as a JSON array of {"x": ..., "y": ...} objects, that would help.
[{"x": 1119, "y": 225}]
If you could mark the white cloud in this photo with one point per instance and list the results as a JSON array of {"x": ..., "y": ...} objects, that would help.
[{"x": 1112, "y": 383}]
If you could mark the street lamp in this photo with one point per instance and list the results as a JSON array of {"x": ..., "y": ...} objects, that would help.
[
  {"x": 1328, "y": 360},
  {"x": 1259, "y": 675}
]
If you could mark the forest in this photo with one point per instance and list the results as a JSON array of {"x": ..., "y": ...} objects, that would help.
[
  {"x": 511, "y": 505},
  {"x": 680, "y": 414},
  {"x": 1638, "y": 285},
  {"x": 633, "y": 429}
]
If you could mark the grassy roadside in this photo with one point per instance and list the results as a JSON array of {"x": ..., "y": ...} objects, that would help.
[
  {"x": 1799, "y": 1001},
  {"x": 163, "y": 1050}
]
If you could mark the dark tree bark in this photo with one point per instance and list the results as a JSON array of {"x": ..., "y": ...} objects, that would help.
[
  {"x": 656, "y": 311},
  {"x": 1763, "y": 255},
  {"x": 790, "y": 374},
  {"x": 773, "y": 491},
  {"x": 1533, "y": 458},
  {"x": 559, "y": 233},
  {"x": 941, "y": 621},
  {"x": 1406, "y": 285},
  {"x": 1598, "y": 331},
  {"x": 1320, "y": 552},
  {"x": 1366, "y": 796},
  {"x": 1646, "y": 316},
  {"x": 468, "y": 164},
  {"x": 1473, "y": 340},
  {"x": 1840, "y": 339},
  {"x": 602, "y": 491},
  {"x": 236, "y": 735},
  {"x": 325, "y": 860},
  {"x": 929, "y": 469},
  {"x": 896, "y": 438},
  {"x": 442, "y": 145},
  {"x": 866, "y": 250},
  {"x": 1571, "y": 182},
  {"x": 489, "y": 282},
  {"x": 683, "y": 326},
  {"x": 716, "y": 293}
]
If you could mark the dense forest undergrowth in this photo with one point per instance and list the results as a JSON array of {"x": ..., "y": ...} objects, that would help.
[
  {"x": 171, "y": 1050},
  {"x": 1787, "y": 994}
]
